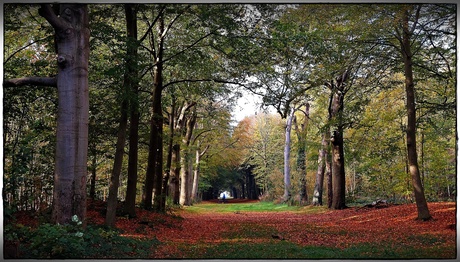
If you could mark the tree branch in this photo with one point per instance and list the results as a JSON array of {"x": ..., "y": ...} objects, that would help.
[
  {"x": 46, "y": 11},
  {"x": 34, "y": 80}
]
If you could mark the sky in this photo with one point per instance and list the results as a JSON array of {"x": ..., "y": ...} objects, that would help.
[{"x": 247, "y": 105}]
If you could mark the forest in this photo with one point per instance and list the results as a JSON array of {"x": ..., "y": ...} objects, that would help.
[{"x": 132, "y": 105}]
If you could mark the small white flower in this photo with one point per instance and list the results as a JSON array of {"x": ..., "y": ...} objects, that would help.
[
  {"x": 74, "y": 218},
  {"x": 79, "y": 234}
]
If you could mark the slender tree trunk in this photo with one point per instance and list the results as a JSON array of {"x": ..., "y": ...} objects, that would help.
[
  {"x": 169, "y": 157},
  {"x": 301, "y": 154},
  {"x": 72, "y": 42},
  {"x": 112, "y": 199},
  {"x": 175, "y": 174},
  {"x": 131, "y": 188},
  {"x": 92, "y": 190},
  {"x": 330, "y": 193},
  {"x": 154, "y": 174},
  {"x": 287, "y": 158},
  {"x": 196, "y": 175},
  {"x": 318, "y": 190},
  {"x": 411, "y": 131}
]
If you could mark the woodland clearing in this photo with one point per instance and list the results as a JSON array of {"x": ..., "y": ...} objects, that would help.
[{"x": 214, "y": 231}]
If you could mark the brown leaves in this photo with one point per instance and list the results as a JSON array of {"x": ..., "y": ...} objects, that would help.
[{"x": 331, "y": 228}]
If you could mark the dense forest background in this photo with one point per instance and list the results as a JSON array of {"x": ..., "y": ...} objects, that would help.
[{"x": 321, "y": 70}]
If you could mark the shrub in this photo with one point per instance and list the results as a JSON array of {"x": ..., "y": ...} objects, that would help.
[{"x": 72, "y": 241}]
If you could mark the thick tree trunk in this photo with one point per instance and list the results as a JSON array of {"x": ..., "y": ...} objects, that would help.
[
  {"x": 338, "y": 170},
  {"x": 319, "y": 180},
  {"x": 338, "y": 158},
  {"x": 185, "y": 162},
  {"x": 131, "y": 187},
  {"x": 287, "y": 158},
  {"x": 411, "y": 131},
  {"x": 72, "y": 42}
]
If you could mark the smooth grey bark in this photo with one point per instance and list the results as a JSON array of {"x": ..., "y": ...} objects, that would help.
[
  {"x": 31, "y": 80},
  {"x": 196, "y": 174},
  {"x": 319, "y": 179},
  {"x": 185, "y": 172},
  {"x": 301, "y": 164},
  {"x": 71, "y": 27},
  {"x": 287, "y": 158}
]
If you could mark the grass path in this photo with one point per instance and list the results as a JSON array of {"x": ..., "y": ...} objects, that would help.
[{"x": 264, "y": 230}]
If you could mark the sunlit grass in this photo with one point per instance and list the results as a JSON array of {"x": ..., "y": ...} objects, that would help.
[{"x": 250, "y": 207}]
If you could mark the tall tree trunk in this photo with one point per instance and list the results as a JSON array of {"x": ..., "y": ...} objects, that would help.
[
  {"x": 169, "y": 157},
  {"x": 196, "y": 174},
  {"x": 180, "y": 125},
  {"x": 330, "y": 192},
  {"x": 129, "y": 103},
  {"x": 287, "y": 158},
  {"x": 131, "y": 187},
  {"x": 411, "y": 131},
  {"x": 338, "y": 170},
  {"x": 301, "y": 154},
  {"x": 319, "y": 180},
  {"x": 175, "y": 174},
  {"x": 338, "y": 158},
  {"x": 184, "y": 161},
  {"x": 72, "y": 42},
  {"x": 92, "y": 189},
  {"x": 112, "y": 199},
  {"x": 154, "y": 174}
]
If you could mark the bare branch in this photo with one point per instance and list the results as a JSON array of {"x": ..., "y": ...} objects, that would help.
[{"x": 37, "y": 81}]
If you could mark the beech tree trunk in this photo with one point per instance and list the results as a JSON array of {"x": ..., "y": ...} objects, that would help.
[
  {"x": 301, "y": 154},
  {"x": 112, "y": 199},
  {"x": 129, "y": 86},
  {"x": 338, "y": 159},
  {"x": 411, "y": 131},
  {"x": 154, "y": 174},
  {"x": 319, "y": 180},
  {"x": 287, "y": 158},
  {"x": 169, "y": 158},
  {"x": 185, "y": 175},
  {"x": 175, "y": 174},
  {"x": 196, "y": 174},
  {"x": 72, "y": 41},
  {"x": 330, "y": 192},
  {"x": 131, "y": 187}
]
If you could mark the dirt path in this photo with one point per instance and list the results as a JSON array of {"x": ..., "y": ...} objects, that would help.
[{"x": 332, "y": 229}]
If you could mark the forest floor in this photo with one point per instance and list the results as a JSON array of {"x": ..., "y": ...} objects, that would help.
[{"x": 210, "y": 230}]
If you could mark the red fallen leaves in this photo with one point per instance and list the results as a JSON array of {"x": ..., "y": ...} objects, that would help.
[{"x": 333, "y": 228}]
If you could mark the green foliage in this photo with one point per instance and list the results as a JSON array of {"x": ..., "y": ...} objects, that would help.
[{"x": 54, "y": 241}]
